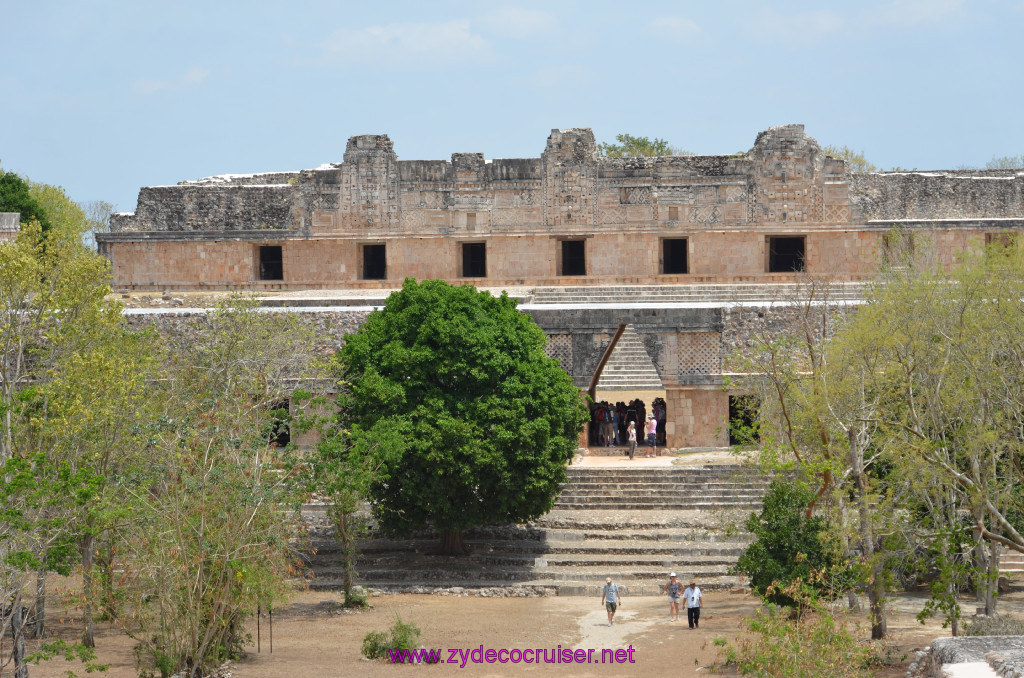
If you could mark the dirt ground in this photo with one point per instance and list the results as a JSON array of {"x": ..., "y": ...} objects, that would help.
[{"x": 312, "y": 637}]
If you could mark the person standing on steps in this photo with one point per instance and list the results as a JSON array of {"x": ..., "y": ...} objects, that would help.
[
  {"x": 673, "y": 588},
  {"x": 652, "y": 435},
  {"x": 610, "y": 598},
  {"x": 694, "y": 600},
  {"x": 631, "y": 438}
]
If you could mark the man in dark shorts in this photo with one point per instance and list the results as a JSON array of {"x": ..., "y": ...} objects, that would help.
[{"x": 673, "y": 588}]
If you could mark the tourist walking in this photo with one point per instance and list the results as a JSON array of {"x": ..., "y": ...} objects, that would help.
[
  {"x": 631, "y": 438},
  {"x": 673, "y": 588},
  {"x": 652, "y": 435},
  {"x": 694, "y": 600},
  {"x": 610, "y": 598}
]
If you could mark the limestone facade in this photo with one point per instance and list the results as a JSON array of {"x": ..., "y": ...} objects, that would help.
[
  {"x": 567, "y": 217},
  {"x": 570, "y": 218}
]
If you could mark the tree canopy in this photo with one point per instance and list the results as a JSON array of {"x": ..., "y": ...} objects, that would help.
[
  {"x": 15, "y": 196},
  {"x": 487, "y": 422},
  {"x": 904, "y": 414},
  {"x": 629, "y": 146}
]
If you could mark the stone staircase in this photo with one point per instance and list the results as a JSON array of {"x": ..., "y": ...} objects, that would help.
[
  {"x": 630, "y": 368},
  {"x": 737, "y": 293},
  {"x": 632, "y": 524}
]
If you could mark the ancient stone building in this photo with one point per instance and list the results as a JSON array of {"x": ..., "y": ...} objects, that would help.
[
  {"x": 685, "y": 250},
  {"x": 569, "y": 216}
]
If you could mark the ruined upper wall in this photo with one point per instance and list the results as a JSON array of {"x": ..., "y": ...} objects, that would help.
[
  {"x": 938, "y": 195},
  {"x": 209, "y": 207},
  {"x": 784, "y": 183}
]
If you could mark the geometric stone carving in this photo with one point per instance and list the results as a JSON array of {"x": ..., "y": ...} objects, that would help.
[
  {"x": 559, "y": 347},
  {"x": 837, "y": 214},
  {"x": 705, "y": 214},
  {"x": 699, "y": 353}
]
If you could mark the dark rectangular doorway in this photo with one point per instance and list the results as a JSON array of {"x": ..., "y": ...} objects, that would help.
[{"x": 786, "y": 254}]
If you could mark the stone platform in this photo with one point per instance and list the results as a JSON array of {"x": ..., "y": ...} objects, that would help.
[{"x": 632, "y": 521}]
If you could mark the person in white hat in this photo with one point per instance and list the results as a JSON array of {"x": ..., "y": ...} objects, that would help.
[
  {"x": 652, "y": 435},
  {"x": 694, "y": 601},
  {"x": 673, "y": 589}
]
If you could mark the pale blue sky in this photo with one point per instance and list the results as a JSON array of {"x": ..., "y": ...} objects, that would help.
[{"x": 105, "y": 97}]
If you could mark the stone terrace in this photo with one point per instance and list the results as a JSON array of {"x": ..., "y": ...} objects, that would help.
[{"x": 634, "y": 523}]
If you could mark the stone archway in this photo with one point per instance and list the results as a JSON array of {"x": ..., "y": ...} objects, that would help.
[{"x": 684, "y": 345}]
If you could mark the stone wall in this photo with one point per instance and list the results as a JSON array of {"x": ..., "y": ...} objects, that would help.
[
  {"x": 690, "y": 348},
  {"x": 727, "y": 207},
  {"x": 961, "y": 194},
  {"x": 182, "y": 326},
  {"x": 784, "y": 179},
  {"x": 10, "y": 224},
  {"x": 212, "y": 207}
]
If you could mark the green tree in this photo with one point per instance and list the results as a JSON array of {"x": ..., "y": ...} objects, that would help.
[
  {"x": 51, "y": 295},
  {"x": 216, "y": 514},
  {"x": 487, "y": 422},
  {"x": 951, "y": 380},
  {"x": 15, "y": 196},
  {"x": 855, "y": 160},
  {"x": 629, "y": 146}
]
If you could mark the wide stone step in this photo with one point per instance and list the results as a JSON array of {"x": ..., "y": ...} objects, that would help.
[
  {"x": 634, "y": 559},
  {"x": 466, "y": 576},
  {"x": 678, "y": 492},
  {"x": 628, "y": 535},
  {"x": 711, "y": 486},
  {"x": 656, "y": 519},
  {"x": 665, "y": 505},
  {"x": 560, "y": 588},
  {"x": 649, "y": 549},
  {"x": 720, "y": 469}
]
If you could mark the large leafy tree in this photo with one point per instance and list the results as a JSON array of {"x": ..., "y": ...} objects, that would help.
[{"x": 487, "y": 422}]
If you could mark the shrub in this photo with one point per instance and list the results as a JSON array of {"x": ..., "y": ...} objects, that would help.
[
  {"x": 401, "y": 636},
  {"x": 790, "y": 547},
  {"x": 784, "y": 644},
  {"x": 375, "y": 644}
]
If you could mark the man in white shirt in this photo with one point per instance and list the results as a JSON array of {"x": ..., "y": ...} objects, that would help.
[{"x": 694, "y": 599}]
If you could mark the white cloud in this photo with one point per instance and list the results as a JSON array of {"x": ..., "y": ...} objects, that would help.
[
  {"x": 520, "y": 23},
  {"x": 677, "y": 29},
  {"x": 408, "y": 45},
  {"x": 149, "y": 86}
]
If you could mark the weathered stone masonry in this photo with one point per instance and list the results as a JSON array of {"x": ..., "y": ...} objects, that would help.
[
  {"x": 716, "y": 225},
  {"x": 327, "y": 221}
]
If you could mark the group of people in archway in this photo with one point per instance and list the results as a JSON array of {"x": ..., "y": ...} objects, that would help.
[{"x": 610, "y": 424}]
